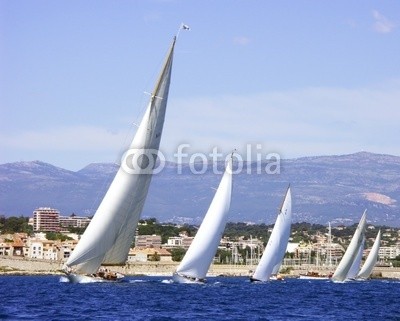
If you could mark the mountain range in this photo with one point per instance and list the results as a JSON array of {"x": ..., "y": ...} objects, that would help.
[{"x": 324, "y": 188}]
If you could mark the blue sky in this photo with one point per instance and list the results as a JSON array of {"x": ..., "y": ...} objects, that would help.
[{"x": 299, "y": 78}]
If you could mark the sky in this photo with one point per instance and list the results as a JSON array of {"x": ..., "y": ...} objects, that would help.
[{"x": 296, "y": 78}]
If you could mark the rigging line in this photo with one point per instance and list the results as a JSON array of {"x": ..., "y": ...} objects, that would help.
[
  {"x": 107, "y": 180},
  {"x": 142, "y": 108},
  {"x": 132, "y": 128},
  {"x": 144, "y": 103}
]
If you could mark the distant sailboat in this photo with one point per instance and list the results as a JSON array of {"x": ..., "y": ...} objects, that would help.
[
  {"x": 198, "y": 258},
  {"x": 275, "y": 250},
  {"x": 371, "y": 260},
  {"x": 109, "y": 236},
  {"x": 341, "y": 272}
]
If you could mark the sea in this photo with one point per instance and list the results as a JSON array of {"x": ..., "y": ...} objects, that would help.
[{"x": 221, "y": 298}]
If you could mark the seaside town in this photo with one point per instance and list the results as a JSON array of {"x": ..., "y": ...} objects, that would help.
[
  {"x": 52, "y": 239},
  {"x": 200, "y": 160}
]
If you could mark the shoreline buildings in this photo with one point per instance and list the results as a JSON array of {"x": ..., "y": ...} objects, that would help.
[{"x": 46, "y": 219}]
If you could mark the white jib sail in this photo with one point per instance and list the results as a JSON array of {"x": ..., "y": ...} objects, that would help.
[
  {"x": 355, "y": 267},
  {"x": 109, "y": 235},
  {"x": 371, "y": 260},
  {"x": 349, "y": 256},
  {"x": 277, "y": 243},
  {"x": 201, "y": 252}
]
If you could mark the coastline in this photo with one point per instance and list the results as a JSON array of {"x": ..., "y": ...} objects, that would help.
[{"x": 24, "y": 266}]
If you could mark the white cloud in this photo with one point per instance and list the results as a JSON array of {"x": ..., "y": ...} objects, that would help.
[
  {"x": 381, "y": 23},
  {"x": 75, "y": 138},
  {"x": 312, "y": 121},
  {"x": 295, "y": 123}
]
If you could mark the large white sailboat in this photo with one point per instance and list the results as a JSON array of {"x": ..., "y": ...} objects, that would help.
[
  {"x": 371, "y": 260},
  {"x": 109, "y": 236},
  {"x": 276, "y": 247},
  {"x": 197, "y": 260},
  {"x": 342, "y": 271}
]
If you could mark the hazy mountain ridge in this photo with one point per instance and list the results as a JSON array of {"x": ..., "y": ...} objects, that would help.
[{"x": 324, "y": 188}]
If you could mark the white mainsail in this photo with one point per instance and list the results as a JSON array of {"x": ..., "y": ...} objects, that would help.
[
  {"x": 349, "y": 256},
  {"x": 277, "y": 243},
  {"x": 371, "y": 260},
  {"x": 201, "y": 252},
  {"x": 109, "y": 235},
  {"x": 355, "y": 267}
]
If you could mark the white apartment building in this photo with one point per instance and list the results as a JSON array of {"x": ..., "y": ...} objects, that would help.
[
  {"x": 179, "y": 241},
  {"x": 389, "y": 252},
  {"x": 46, "y": 219}
]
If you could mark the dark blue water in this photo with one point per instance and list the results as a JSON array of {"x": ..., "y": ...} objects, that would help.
[{"x": 150, "y": 298}]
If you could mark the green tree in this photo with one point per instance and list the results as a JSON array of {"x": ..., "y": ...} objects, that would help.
[
  {"x": 151, "y": 227},
  {"x": 77, "y": 230},
  {"x": 57, "y": 236},
  {"x": 177, "y": 254},
  {"x": 15, "y": 224},
  {"x": 2, "y": 221},
  {"x": 396, "y": 261}
]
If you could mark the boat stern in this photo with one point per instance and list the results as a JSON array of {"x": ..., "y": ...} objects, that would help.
[{"x": 180, "y": 278}]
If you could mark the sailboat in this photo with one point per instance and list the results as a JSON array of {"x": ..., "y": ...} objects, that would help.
[
  {"x": 341, "y": 272},
  {"x": 197, "y": 260},
  {"x": 276, "y": 247},
  {"x": 371, "y": 260},
  {"x": 109, "y": 236}
]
